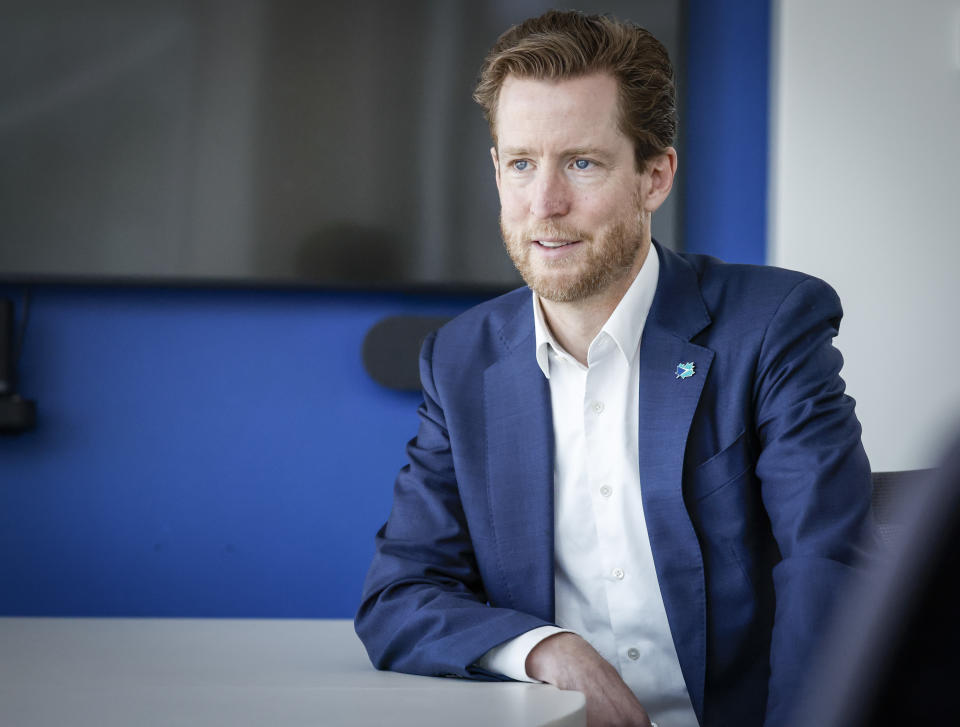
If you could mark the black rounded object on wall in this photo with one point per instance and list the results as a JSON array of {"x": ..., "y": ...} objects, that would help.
[{"x": 391, "y": 350}]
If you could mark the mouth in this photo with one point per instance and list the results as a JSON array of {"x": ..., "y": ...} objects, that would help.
[{"x": 554, "y": 244}]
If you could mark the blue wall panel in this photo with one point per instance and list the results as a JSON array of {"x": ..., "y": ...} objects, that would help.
[
  {"x": 199, "y": 453},
  {"x": 724, "y": 129}
]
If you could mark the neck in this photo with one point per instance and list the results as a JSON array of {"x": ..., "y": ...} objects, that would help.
[{"x": 576, "y": 323}]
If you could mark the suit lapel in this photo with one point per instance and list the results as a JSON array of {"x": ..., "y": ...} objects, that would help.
[
  {"x": 519, "y": 463},
  {"x": 667, "y": 407}
]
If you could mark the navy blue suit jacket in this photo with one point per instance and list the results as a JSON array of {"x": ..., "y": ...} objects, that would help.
[{"x": 756, "y": 487}]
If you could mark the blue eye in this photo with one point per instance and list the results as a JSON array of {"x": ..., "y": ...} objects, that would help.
[
  {"x": 581, "y": 164},
  {"x": 520, "y": 164}
]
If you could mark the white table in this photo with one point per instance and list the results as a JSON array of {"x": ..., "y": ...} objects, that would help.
[{"x": 146, "y": 672}]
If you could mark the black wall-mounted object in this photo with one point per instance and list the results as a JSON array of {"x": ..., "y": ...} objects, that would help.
[
  {"x": 16, "y": 414},
  {"x": 391, "y": 350},
  {"x": 7, "y": 383}
]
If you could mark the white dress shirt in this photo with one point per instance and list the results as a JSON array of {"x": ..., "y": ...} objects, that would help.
[{"x": 605, "y": 584}]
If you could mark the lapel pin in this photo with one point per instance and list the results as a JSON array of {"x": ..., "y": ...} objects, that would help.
[{"x": 685, "y": 370}]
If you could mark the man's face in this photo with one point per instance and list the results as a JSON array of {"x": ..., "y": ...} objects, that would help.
[{"x": 569, "y": 188}]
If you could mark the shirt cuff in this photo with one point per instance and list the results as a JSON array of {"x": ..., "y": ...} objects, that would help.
[{"x": 510, "y": 657}]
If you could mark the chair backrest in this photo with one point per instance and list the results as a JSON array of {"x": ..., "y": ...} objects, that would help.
[
  {"x": 891, "y": 657},
  {"x": 890, "y": 491}
]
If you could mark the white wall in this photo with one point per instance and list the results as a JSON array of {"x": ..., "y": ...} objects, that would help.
[{"x": 865, "y": 193}]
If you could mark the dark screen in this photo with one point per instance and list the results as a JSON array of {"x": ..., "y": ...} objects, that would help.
[{"x": 266, "y": 141}]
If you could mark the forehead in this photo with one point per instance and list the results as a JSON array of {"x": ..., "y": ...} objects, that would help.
[{"x": 579, "y": 111}]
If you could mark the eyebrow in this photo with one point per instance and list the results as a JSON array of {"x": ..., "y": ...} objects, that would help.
[
  {"x": 514, "y": 151},
  {"x": 579, "y": 151}
]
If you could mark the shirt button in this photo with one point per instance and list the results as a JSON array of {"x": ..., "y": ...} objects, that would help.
[
  {"x": 606, "y": 490},
  {"x": 618, "y": 573},
  {"x": 633, "y": 654},
  {"x": 597, "y": 407}
]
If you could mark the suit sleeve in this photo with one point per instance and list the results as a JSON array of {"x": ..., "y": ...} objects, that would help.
[
  {"x": 815, "y": 480},
  {"x": 424, "y": 608}
]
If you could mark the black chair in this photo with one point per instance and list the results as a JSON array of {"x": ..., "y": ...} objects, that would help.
[
  {"x": 891, "y": 490},
  {"x": 894, "y": 656}
]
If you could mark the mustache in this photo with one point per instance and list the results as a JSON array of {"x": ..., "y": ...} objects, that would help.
[{"x": 555, "y": 230}]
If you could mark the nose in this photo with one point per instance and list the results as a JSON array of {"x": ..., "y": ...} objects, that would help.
[{"x": 550, "y": 196}]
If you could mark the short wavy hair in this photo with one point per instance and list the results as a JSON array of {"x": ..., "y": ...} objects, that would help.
[{"x": 568, "y": 44}]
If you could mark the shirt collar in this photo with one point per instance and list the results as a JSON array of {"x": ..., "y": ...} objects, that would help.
[{"x": 625, "y": 324}]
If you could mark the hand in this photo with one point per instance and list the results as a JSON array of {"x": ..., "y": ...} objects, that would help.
[{"x": 568, "y": 662}]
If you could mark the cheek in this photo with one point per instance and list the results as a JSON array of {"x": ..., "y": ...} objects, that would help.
[
  {"x": 620, "y": 207},
  {"x": 513, "y": 204},
  {"x": 588, "y": 203},
  {"x": 596, "y": 201}
]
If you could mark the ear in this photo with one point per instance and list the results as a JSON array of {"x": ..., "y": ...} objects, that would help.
[
  {"x": 658, "y": 179},
  {"x": 496, "y": 165}
]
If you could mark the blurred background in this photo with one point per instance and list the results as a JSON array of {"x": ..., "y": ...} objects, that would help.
[{"x": 205, "y": 207}]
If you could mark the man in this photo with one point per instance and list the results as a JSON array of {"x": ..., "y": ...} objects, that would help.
[{"x": 646, "y": 483}]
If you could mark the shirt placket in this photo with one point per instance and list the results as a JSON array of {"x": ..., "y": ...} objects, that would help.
[{"x": 602, "y": 429}]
